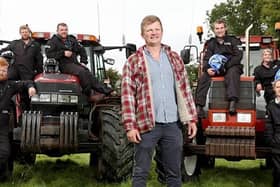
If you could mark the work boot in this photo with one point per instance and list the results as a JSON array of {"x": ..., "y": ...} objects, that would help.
[
  {"x": 95, "y": 97},
  {"x": 200, "y": 111},
  {"x": 232, "y": 108}
]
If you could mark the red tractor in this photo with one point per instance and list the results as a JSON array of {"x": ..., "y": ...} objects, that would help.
[
  {"x": 61, "y": 121},
  {"x": 221, "y": 135}
]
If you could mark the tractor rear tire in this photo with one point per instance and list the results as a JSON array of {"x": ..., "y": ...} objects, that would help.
[
  {"x": 116, "y": 158},
  {"x": 190, "y": 168}
]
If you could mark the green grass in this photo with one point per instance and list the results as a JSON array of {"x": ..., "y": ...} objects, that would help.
[{"x": 73, "y": 171}]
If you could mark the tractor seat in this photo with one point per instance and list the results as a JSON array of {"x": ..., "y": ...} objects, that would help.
[{"x": 51, "y": 66}]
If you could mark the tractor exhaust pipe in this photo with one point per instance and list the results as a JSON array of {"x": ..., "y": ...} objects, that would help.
[{"x": 247, "y": 47}]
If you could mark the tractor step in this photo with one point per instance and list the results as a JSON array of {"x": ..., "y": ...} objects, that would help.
[{"x": 230, "y": 141}]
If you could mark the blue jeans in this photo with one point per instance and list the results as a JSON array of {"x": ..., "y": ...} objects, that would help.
[{"x": 169, "y": 138}]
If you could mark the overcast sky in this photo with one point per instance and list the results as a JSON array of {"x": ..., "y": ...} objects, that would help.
[{"x": 116, "y": 17}]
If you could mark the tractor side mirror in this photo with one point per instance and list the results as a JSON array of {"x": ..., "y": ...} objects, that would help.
[
  {"x": 130, "y": 49},
  {"x": 185, "y": 55}
]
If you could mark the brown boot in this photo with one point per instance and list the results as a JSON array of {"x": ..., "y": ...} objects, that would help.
[{"x": 95, "y": 97}]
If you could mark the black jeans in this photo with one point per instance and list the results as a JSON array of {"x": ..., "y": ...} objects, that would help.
[
  {"x": 5, "y": 148},
  {"x": 276, "y": 170},
  {"x": 87, "y": 80},
  {"x": 170, "y": 140},
  {"x": 232, "y": 84}
]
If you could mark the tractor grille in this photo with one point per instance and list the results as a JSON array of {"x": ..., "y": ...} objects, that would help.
[
  {"x": 218, "y": 100},
  {"x": 230, "y": 141},
  {"x": 43, "y": 87}
]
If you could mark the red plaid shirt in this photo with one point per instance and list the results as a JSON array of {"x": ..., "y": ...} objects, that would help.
[{"x": 137, "y": 101}]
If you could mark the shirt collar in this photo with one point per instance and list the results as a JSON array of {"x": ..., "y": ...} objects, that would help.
[{"x": 277, "y": 101}]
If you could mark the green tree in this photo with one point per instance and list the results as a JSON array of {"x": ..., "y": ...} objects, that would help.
[
  {"x": 114, "y": 76},
  {"x": 239, "y": 14},
  {"x": 270, "y": 14}
]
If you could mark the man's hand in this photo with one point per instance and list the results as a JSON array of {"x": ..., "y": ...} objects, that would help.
[
  {"x": 68, "y": 53},
  {"x": 259, "y": 87},
  {"x": 84, "y": 65},
  {"x": 133, "y": 136},
  {"x": 211, "y": 72},
  {"x": 192, "y": 129},
  {"x": 31, "y": 91}
]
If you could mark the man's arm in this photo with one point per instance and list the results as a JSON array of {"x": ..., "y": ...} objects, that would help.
[
  {"x": 39, "y": 59},
  {"x": 258, "y": 81},
  {"x": 208, "y": 53},
  {"x": 52, "y": 51},
  {"x": 237, "y": 53},
  {"x": 268, "y": 133},
  {"x": 18, "y": 86},
  {"x": 128, "y": 92},
  {"x": 82, "y": 53}
]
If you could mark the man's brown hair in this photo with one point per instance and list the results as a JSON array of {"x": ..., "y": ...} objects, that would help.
[
  {"x": 61, "y": 24},
  {"x": 219, "y": 21},
  {"x": 3, "y": 62},
  {"x": 149, "y": 20},
  {"x": 24, "y": 27}
]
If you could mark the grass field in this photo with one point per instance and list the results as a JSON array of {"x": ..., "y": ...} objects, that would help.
[{"x": 73, "y": 171}]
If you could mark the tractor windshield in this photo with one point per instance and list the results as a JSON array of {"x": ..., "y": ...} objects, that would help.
[
  {"x": 255, "y": 59},
  {"x": 95, "y": 61}
]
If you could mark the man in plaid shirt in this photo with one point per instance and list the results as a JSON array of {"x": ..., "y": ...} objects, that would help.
[{"x": 156, "y": 101}]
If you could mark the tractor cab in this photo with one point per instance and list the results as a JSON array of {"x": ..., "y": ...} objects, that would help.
[{"x": 256, "y": 45}]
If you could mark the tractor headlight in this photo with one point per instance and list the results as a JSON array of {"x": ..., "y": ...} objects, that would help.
[
  {"x": 45, "y": 97},
  {"x": 244, "y": 117},
  {"x": 73, "y": 99},
  {"x": 35, "y": 98},
  {"x": 55, "y": 98},
  {"x": 63, "y": 99},
  {"x": 219, "y": 117}
]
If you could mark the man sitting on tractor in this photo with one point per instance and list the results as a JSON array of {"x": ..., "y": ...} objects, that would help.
[
  {"x": 65, "y": 48},
  {"x": 222, "y": 58}
]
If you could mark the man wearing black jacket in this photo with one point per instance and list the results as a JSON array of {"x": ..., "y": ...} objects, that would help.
[
  {"x": 28, "y": 60},
  {"x": 230, "y": 48},
  {"x": 272, "y": 131},
  {"x": 65, "y": 49},
  {"x": 7, "y": 89}
]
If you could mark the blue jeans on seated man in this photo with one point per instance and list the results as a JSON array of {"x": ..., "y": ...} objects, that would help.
[{"x": 168, "y": 136}]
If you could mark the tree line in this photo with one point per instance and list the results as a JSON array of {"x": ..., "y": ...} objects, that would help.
[{"x": 239, "y": 14}]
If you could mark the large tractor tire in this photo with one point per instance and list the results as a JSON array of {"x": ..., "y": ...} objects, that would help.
[
  {"x": 190, "y": 168},
  {"x": 115, "y": 161}
]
